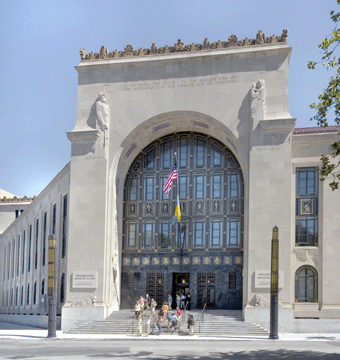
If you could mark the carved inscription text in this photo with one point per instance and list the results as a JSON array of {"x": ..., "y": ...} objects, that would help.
[{"x": 181, "y": 83}]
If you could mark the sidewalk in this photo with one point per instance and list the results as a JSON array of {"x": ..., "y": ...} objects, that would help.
[{"x": 14, "y": 331}]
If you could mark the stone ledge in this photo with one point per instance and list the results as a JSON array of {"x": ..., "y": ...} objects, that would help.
[
  {"x": 278, "y": 124},
  {"x": 84, "y": 135}
]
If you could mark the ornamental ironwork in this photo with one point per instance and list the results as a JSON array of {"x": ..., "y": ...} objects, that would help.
[{"x": 211, "y": 191}]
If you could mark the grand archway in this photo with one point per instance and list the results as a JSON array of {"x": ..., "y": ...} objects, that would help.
[{"x": 204, "y": 255}]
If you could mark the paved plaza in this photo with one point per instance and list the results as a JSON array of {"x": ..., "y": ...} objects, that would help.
[{"x": 23, "y": 342}]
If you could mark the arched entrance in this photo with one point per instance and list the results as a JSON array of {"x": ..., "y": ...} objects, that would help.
[{"x": 205, "y": 252}]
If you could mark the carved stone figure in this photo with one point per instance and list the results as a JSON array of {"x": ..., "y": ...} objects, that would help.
[
  {"x": 103, "y": 117},
  {"x": 206, "y": 44},
  {"x": 128, "y": 50},
  {"x": 103, "y": 52},
  {"x": 232, "y": 40},
  {"x": 103, "y": 112},
  {"x": 257, "y": 101},
  {"x": 179, "y": 46},
  {"x": 82, "y": 54},
  {"x": 153, "y": 48},
  {"x": 88, "y": 301},
  {"x": 284, "y": 35},
  {"x": 260, "y": 301},
  {"x": 260, "y": 37}
]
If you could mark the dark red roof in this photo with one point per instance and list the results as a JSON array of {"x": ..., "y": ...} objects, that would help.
[{"x": 316, "y": 129}]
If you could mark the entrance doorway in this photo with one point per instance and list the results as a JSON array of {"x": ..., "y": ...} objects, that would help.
[{"x": 181, "y": 285}]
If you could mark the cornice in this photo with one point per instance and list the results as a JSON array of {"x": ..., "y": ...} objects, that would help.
[
  {"x": 278, "y": 124},
  {"x": 64, "y": 171},
  {"x": 314, "y": 139},
  {"x": 179, "y": 47},
  {"x": 83, "y": 135}
]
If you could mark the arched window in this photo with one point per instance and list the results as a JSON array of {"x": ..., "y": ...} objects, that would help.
[
  {"x": 306, "y": 284},
  {"x": 62, "y": 288},
  {"x": 209, "y": 186}
]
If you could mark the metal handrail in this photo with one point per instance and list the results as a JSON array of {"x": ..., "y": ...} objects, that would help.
[
  {"x": 131, "y": 324},
  {"x": 201, "y": 319}
]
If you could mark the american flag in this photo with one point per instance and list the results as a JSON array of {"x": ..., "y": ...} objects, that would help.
[{"x": 172, "y": 176}]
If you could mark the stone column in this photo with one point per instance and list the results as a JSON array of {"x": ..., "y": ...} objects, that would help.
[
  {"x": 86, "y": 251},
  {"x": 270, "y": 204}
]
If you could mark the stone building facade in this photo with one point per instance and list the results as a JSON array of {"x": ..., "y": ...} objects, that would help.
[{"x": 220, "y": 112}]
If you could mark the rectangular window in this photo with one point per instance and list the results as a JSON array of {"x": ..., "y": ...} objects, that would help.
[
  {"x": 29, "y": 249},
  {"x": 44, "y": 239},
  {"x": 307, "y": 181},
  {"x": 163, "y": 195},
  {"x": 200, "y": 186},
  {"x": 148, "y": 234},
  {"x": 167, "y": 155},
  {"x": 216, "y": 186},
  {"x": 164, "y": 235},
  {"x": 13, "y": 258},
  {"x": 64, "y": 240},
  {"x": 133, "y": 190},
  {"x": 183, "y": 153},
  {"x": 306, "y": 232},
  {"x": 216, "y": 158},
  {"x": 199, "y": 231},
  {"x": 200, "y": 153},
  {"x": 9, "y": 261},
  {"x": 216, "y": 231},
  {"x": 23, "y": 252},
  {"x": 183, "y": 187},
  {"x": 233, "y": 233},
  {"x": 233, "y": 185},
  {"x": 232, "y": 280},
  {"x": 149, "y": 188},
  {"x": 18, "y": 255},
  {"x": 184, "y": 234},
  {"x": 36, "y": 244},
  {"x": 150, "y": 159},
  {"x": 4, "y": 264},
  {"x": 132, "y": 235},
  {"x": 54, "y": 219}
]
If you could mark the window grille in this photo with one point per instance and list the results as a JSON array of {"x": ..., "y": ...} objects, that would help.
[
  {"x": 306, "y": 228},
  {"x": 306, "y": 284}
]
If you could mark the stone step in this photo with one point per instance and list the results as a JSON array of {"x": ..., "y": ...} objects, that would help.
[{"x": 226, "y": 323}]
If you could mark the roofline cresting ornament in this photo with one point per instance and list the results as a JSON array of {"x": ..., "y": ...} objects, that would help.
[{"x": 233, "y": 41}]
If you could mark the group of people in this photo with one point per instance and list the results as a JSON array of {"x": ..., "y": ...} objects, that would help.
[
  {"x": 183, "y": 301},
  {"x": 154, "y": 320}
]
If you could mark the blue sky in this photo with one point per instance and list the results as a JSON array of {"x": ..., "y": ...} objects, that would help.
[{"x": 40, "y": 43}]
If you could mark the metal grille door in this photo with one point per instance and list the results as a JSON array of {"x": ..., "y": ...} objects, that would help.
[
  {"x": 206, "y": 289},
  {"x": 155, "y": 287}
]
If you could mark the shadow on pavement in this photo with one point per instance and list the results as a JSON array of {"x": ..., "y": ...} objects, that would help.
[{"x": 280, "y": 354}]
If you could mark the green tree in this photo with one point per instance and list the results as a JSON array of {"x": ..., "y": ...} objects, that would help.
[{"x": 329, "y": 99}]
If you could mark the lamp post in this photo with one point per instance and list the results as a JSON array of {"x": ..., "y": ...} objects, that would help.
[
  {"x": 52, "y": 305},
  {"x": 274, "y": 286}
]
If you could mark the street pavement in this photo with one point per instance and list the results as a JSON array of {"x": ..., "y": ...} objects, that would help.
[{"x": 24, "y": 342}]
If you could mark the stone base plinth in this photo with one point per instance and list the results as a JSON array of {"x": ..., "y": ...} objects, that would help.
[{"x": 73, "y": 316}]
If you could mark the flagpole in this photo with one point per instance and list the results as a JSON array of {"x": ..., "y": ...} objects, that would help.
[{"x": 177, "y": 195}]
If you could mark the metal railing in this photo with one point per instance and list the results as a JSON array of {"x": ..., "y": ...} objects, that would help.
[{"x": 201, "y": 318}]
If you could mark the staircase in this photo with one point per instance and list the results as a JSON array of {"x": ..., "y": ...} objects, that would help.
[{"x": 216, "y": 323}]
